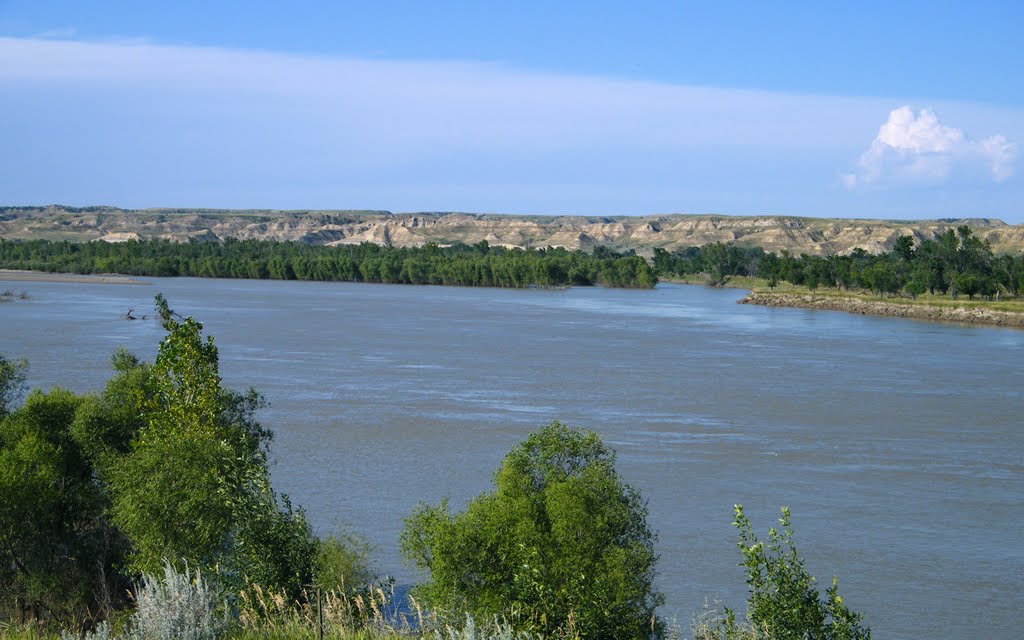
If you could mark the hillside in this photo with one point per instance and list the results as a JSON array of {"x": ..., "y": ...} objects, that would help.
[{"x": 816, "y": 236}]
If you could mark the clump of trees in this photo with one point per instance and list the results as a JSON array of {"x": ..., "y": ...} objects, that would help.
[
  {"x": 717, "y": 262},
  {"x": 478, "y": 265},
  {"x": 165, "y": 465},
  {"x": 956, "y": 263}
]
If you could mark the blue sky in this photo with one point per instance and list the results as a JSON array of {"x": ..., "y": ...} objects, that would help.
[{"x": 887, "y": 110}]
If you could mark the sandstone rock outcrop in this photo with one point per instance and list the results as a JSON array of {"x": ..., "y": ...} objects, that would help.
[{"x": 817, "y": 236}]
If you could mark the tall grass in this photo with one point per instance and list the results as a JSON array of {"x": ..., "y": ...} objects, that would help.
[{"x": 182, "y": 605}]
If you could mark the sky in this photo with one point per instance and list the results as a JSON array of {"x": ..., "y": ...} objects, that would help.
[{"x": 872, "y": 109}]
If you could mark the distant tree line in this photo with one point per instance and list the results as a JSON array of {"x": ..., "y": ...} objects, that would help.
[
  {"x": 459, "y": 265},
  {"x": 955, "y": 263}
]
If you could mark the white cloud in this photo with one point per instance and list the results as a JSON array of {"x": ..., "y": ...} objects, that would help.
[
  {"x": 918, "y": 149},
  {"x": 423, "y": 102},
  {"x": 1002, "y": 154}
]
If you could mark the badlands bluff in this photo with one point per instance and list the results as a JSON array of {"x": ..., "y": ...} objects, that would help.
[{"x": 816, "y": 236}]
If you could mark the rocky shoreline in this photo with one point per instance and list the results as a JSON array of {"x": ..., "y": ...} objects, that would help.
[{"x": 963, "y": 315}]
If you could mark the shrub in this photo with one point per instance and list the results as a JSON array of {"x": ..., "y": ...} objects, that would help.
[
  {"x": 12, "y": 382},
  {"x": 58, "y": 554},
  {"x": 784, "y": 603},
  {"x": 101, "y": 632},
  {"x": 178, "y": 607},
  {"x": 497, "y": 630},
  {"x": 560, "y": 545},
  {"x": 343, "y": 563}
]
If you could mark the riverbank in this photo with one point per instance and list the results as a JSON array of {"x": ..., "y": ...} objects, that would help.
[
  {"x": 734, "y": 282},
  {"x": 970, "y": 312},
  {"x": 43, "y": 276}
]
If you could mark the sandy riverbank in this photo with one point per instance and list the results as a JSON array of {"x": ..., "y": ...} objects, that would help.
[
  {"x": 964, "y": 315},
  {"x": 42, "y": 276}
]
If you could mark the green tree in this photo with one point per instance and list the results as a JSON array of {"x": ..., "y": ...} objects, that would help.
[
  {"x": 883, "y": 278},
  {"x": 58, "y": 552},
  {"x": 717, "y": 263},
  {"x": 174, "y": 491},
  {"x": 770, "y": 268},
  {"x": 967, "y": 283},
  {"x": 904, "y": 248},
  {"x": 916, "y": 286},
  {"x": 343, "y": 564},
  {"x": 193, "y": 486},
  {"x": 560, "y": 544}
]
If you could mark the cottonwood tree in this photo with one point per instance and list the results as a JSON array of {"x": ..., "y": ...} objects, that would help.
[{"x": 194, "y": 486}]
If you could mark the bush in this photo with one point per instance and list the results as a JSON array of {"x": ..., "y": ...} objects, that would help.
[
  {"x": 12, "y": 382},
  {"x": 178, "y": 607},
  {"x": 784, "y": 604},
  {"x": 497, "y": 630},
  {"x": 559, "y": 546},
  {"x": 58, "y": 554},
  {"x": 343, "y": 563}
]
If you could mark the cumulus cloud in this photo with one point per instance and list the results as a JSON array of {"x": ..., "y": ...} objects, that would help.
[{"x": 916, "y": 148}]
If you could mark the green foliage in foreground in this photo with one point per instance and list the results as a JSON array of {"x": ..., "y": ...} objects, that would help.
[
  {"x": 214, "y": 505},
  {"x": 784, "y": 603},
  {"x": 163, "y": 465},
  {"x": 462, "y": 265},
  {"x": 185, "y": 605},
  {"x": 559, "y": 546},
  {"x": 58, "y": 552}
]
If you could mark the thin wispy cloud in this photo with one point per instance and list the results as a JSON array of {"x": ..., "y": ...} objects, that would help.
[
  {"x": 916, "y": 148},
  {"x": 458, "y": 103},
  {"x": 62, "y": 33},
  {"x": 144, "y": 124}
]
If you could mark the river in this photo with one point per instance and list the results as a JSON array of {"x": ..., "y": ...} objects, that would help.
[{"x": 897, "y": 444}]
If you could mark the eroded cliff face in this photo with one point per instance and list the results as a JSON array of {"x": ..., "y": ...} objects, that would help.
[{"x": 818, "y": 236}]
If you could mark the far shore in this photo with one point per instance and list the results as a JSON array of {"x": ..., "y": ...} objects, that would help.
[
  {"x": 44, "y": 276},
  {"x": 1008, "y": 313},
  {"x": 979, "y": 315}
]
